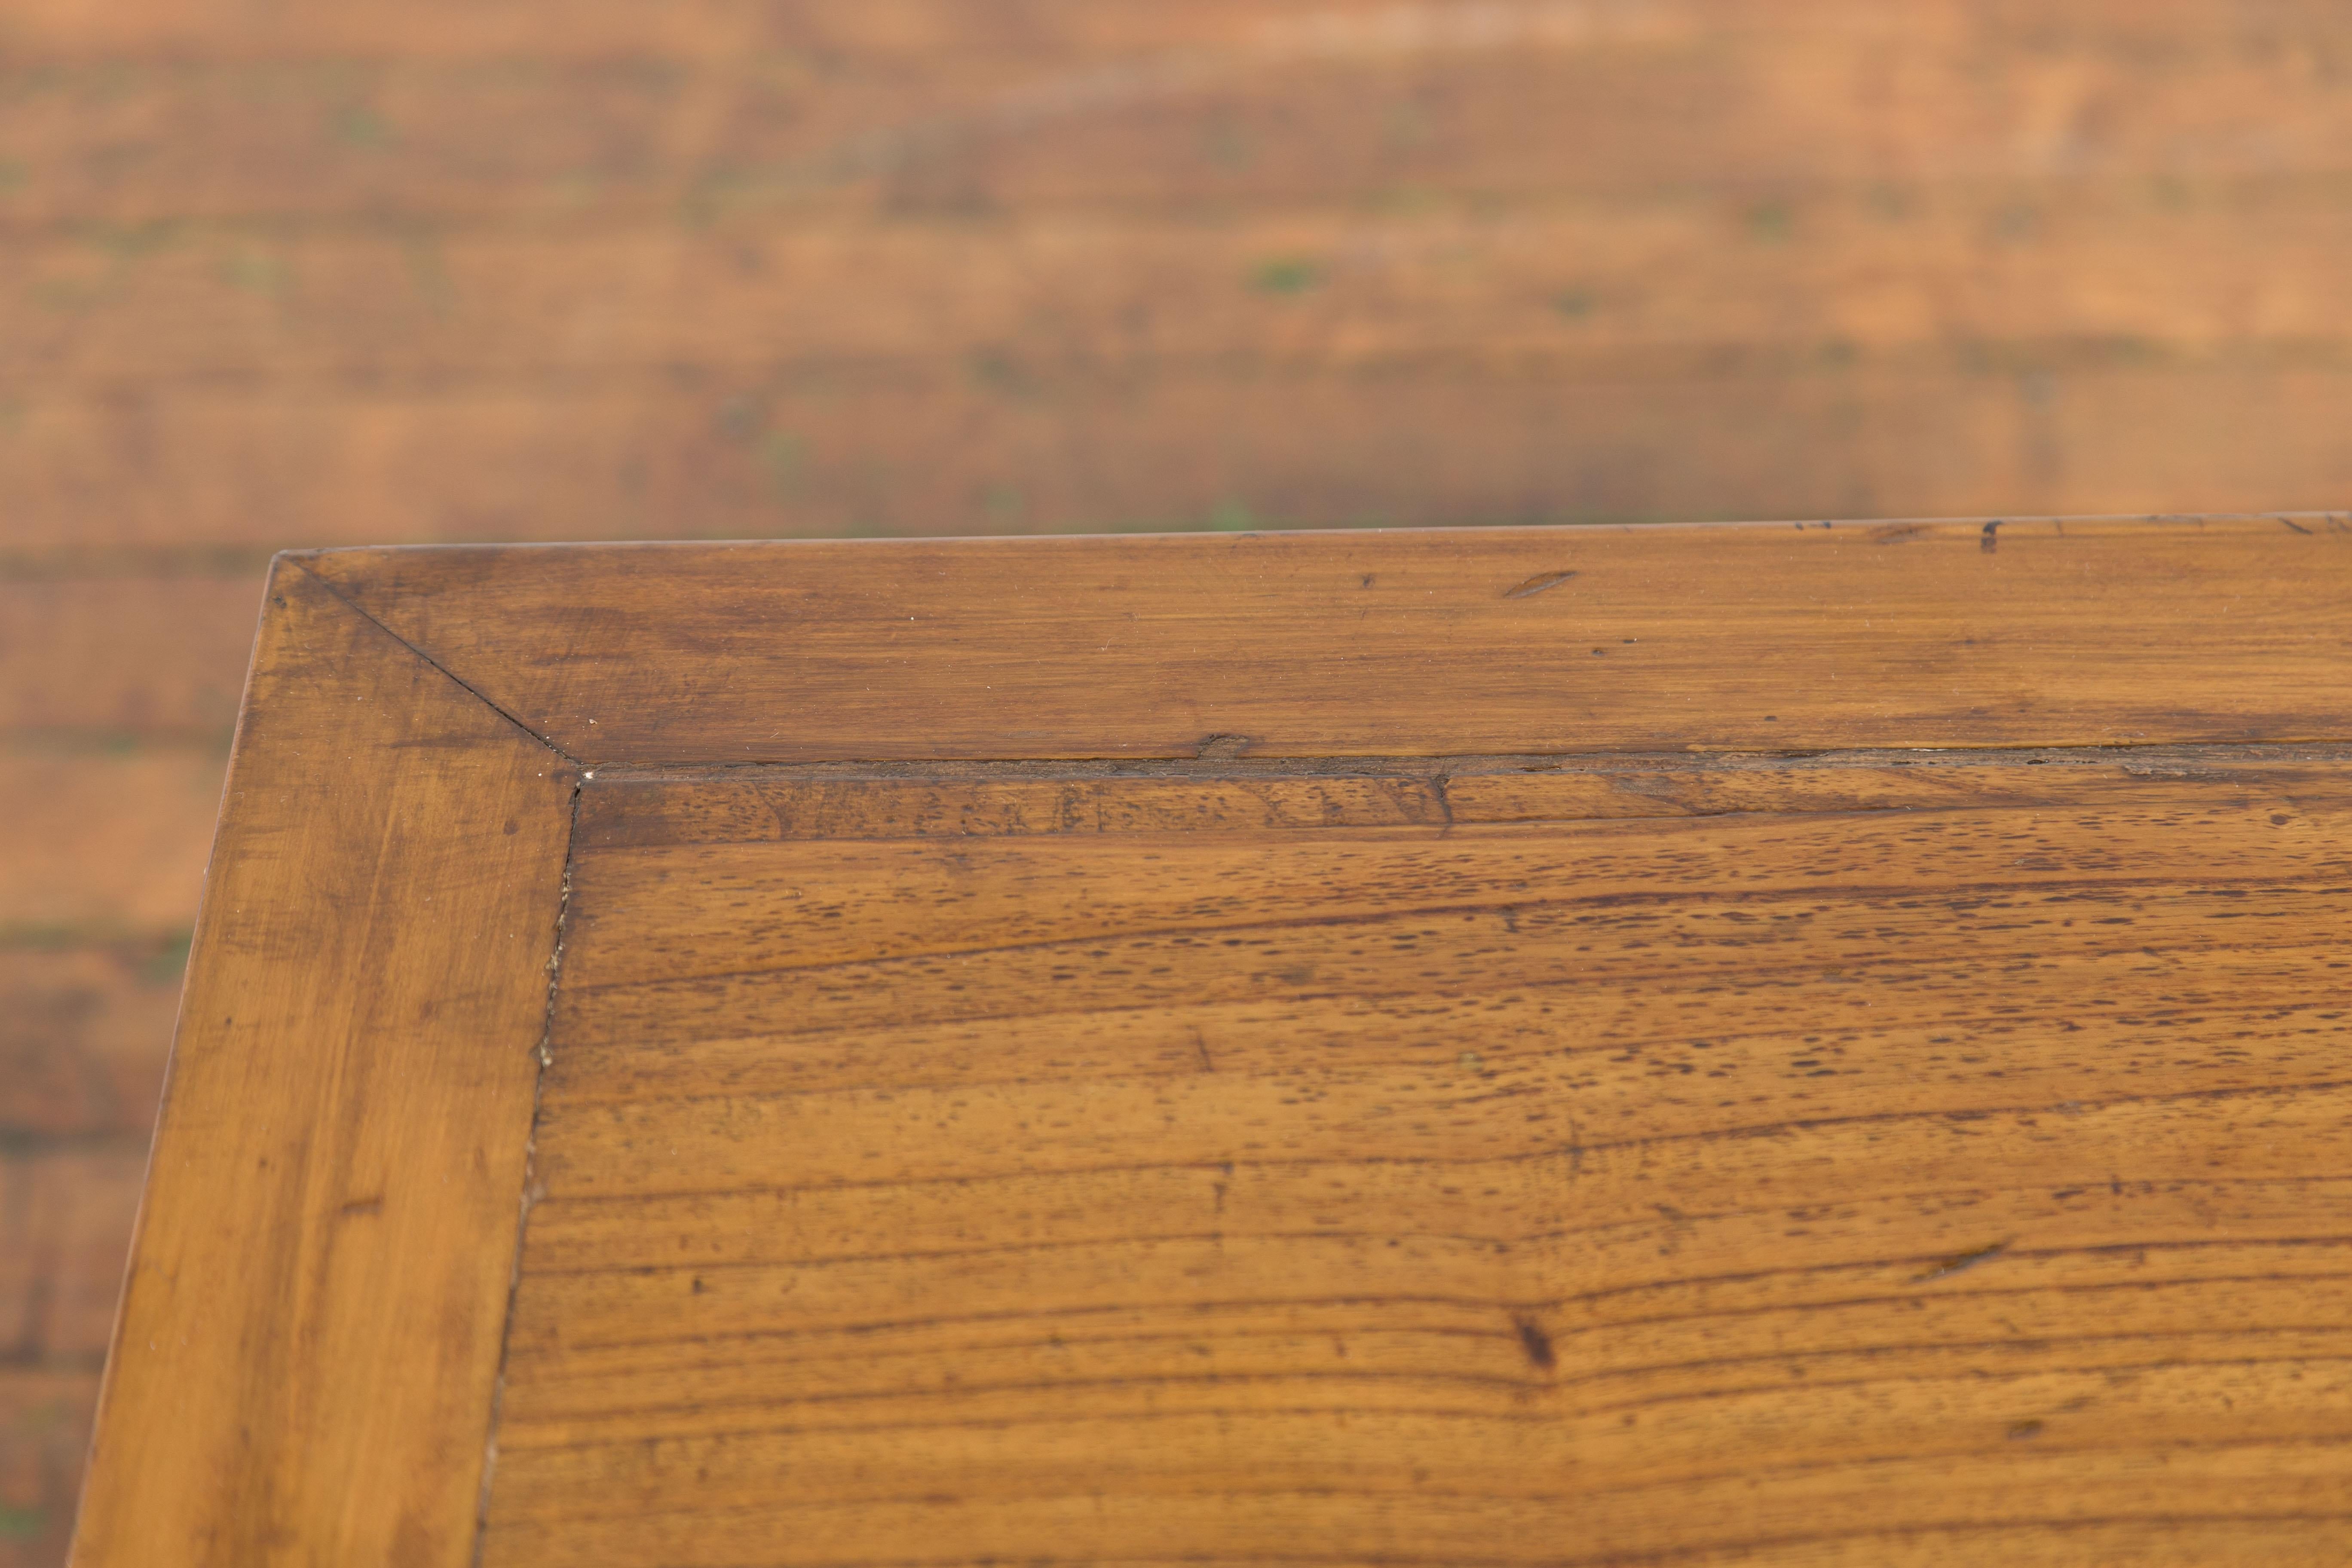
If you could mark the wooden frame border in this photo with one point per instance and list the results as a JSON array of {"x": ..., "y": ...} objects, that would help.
[
  {"x": 305, "y": 1366},
  {"x": 1763, "y": 638},
  {"x": 305, "y": 1361}
]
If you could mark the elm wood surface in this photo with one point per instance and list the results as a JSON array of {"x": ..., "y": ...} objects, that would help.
[
  {"x": 308, "y": 1336},
  {"x": 1319, "y": 1141},
  {"x": 1758, "y": 637},
  {"x": 364, "y": 273}
]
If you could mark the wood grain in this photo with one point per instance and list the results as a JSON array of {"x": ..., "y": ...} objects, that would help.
[
  {"x": 366, "y": 274},
  {"x": 84, "y": 1031},
  {"x": 1787, "y": 1159},
  {"x": 154, "y": 658},
  {"x": 916, "y": 34},
  {"x": 1764, "y": 639},
  {"x": 1318, "y": 264},
  {"x": 1567, "y": 292},
  {"x": 1020, "y": 442},
  {"x": 45, "y": 1420},
  {"x": 1752, "y": 1044},
  {"x": 106, "y": 840},
  {"x": 64, "y": 1219},
  {"x": 1264, "y": 130},
  {"x": 304, "y": 1366}
]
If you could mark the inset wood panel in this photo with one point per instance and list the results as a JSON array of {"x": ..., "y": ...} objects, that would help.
[{"x": 1441, "y": 1162}]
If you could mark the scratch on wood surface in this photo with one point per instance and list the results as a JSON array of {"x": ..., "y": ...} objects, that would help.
[
  {"x": 1540, "y": 583},
  {"x": 1960, "y": 1261},
  {"x": 533, "y": 1188}
]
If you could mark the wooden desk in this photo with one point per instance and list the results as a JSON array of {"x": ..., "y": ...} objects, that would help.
[{"x": 1764, "y": 1044}]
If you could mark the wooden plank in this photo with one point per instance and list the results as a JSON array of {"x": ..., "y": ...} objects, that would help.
[
  {"x": 84, "y": 1031},
  {"x": 684, "y": 909},
  {"x": 1259, "y": 109},
  {"x": 1631, "y": 948},
  {"x": 910, "y": 30},
  {"x": 754, "y": 1050},
  {"x": 1659, "y": 284},
  {"x": 155, "y": 656},
  {"x": 1756, "y": 638},
  {"x": 606, "y": 27},
  {"x": 1207, "y": 1165},
  {"x": 44, "y": 1432},
  {"x": 2131, "y": 347},
  {"x": 1818, "y": 183},
  {"x": 66, "y": 1213},
  {"x": 107, "y": 841},
  {"x": 725, "y": 455},
  {"x": 19, "y": 1310},
  {"x": 310, "y": 1336}
]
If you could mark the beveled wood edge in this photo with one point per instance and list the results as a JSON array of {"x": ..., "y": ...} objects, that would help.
[
  {"x": 203, "y": 1499},
  {"x": 353, "y": 573},
  {"x": 300, "y": 560}
]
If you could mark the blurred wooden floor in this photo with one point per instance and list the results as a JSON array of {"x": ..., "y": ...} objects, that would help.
[{"x": 280, "y": 276}]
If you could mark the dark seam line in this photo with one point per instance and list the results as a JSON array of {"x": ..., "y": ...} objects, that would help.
[
  {"x": 1424, "y": 765},
  {"x": 525, "y": 1199},
  {"x": 456, "y": 678},
  {"x": 614, "y": 839}
]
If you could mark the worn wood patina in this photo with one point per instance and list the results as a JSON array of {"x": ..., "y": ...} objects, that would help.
[{"x": 1711, "y": 1044}]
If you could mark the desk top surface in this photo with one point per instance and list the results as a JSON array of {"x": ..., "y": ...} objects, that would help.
[{"x": 1773, "y": 1044}]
